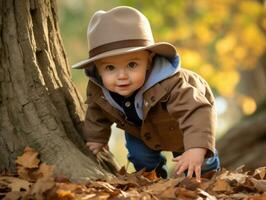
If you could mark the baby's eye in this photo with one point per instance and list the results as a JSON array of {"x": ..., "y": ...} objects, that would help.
[
  {"x": 132, "y": 65},
  {"x": 110, "y": 67}
]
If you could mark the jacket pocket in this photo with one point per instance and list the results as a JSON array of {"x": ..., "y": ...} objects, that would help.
[{"x": 170, "y": 136}]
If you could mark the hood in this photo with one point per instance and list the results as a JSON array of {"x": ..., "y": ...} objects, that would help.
[{"x": 162, "y": 68}]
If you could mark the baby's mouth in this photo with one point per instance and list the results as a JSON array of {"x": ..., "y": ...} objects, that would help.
[{"x": 123, "y": 85}]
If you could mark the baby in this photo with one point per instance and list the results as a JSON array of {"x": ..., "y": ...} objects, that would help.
[{"x": 139, "y": 85}]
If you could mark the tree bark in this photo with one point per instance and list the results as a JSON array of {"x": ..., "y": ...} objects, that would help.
[
  {"x": 244, "y": 144},
  {"x": 39, "y": 105}
]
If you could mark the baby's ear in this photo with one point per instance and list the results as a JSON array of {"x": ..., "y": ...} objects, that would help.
[{"x": 152, "y": 54}]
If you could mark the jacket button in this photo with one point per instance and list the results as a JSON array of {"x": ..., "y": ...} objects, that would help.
[
  {"x": 127, "y": 104},
  {"x": 146, "y": 103},
  {"x": 147, "y": 136},
  {"x": 157, "y": 146}
]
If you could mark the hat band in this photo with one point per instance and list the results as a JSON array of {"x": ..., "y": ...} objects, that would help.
[{"x": 118, "y": 45}]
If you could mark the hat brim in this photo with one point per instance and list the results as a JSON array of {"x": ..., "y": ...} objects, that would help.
[{"x": 162, "y": 48}]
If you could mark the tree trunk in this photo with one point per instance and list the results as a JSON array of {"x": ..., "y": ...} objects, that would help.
[
  {"x": 245, "y": 144},
  {"x": 39, "y": 105}
]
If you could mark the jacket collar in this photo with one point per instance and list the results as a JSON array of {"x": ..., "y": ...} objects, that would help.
[{"x": 161, "y": 70}]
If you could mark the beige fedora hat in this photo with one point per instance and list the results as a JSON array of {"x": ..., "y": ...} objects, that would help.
[{"x": 118, "y": 31}]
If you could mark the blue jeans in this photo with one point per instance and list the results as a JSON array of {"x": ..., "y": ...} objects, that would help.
[{"x": 144, "y": 157}]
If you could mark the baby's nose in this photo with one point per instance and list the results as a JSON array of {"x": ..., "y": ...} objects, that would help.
[{"x": 122, "y": 74}]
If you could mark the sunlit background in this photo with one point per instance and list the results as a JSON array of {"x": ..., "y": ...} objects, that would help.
[{"x": 223, "y": 41}]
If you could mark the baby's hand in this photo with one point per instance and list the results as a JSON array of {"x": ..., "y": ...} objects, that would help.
[
  {"x": 95, "y": 147},
  {"x": 190, "y": 160}
]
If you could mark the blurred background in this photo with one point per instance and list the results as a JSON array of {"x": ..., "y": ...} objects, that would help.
[{"x": 223, "y": 41}]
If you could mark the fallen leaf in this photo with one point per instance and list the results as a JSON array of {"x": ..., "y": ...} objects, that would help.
[
  {"x": 240, "y": 196},
  {"x": 239, "y": 177},
  {"x": 222, "y": 186},
  {"x": 183, "y": 193},
  {"x": 102, "y": 185},
  {"x": 163, "y": 185},
  {"x": 260, "y": 185},
  {"x": 121, "y": 183},
  {"x": 41, "y": 186},
  {"x": 169, "y": 193},
  {"x": 190, "y": 183},
  {"x": 145, "y": 195},
  {"x": 14, "y": 196},
  {"x": 206, "y": 195},
  {"x": 260, "y": 173},
  {"x": 15, "y": 184},
  {"x": 205, "y": 183},
  {"x": 122, "y": 171},
  {"x": 150, "y": 175},
  {"x": 261, "y": 197},
  {"x": 101, "y": 196},
  {"x": 44, "y": 170},
  {"x": 29, "y": 159},
  {"x": 23, "y": 173},
  {"x": 65, "y": 195},
  {"x": 239, "y": 169}
]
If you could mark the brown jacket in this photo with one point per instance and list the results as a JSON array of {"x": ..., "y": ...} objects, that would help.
[{"x": 178, "y": 114}]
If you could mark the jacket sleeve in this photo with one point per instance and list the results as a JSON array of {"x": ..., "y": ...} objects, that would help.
[
  {"x": 191, "y": 102},
  {"x": 97, "y": 127}
]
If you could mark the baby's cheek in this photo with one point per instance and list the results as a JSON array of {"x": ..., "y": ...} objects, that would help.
[{"x": 107, "y": 82}]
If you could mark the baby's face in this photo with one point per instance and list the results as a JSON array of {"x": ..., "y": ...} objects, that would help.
[{"x": 124, "y": 74}]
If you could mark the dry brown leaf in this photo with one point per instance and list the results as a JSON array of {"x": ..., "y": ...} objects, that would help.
[
  {"x": 150, "y": 175},
  {"x": 205, "y": 183},
  {"x": 190, "y": 183},
  {"x": 260, "y": 197},
  {"x": 138, "y": 178},
  {"x": 222, "y": 186},
  {"x": 239, "y": 196},
  {"x": 122, "y": 171},
  {"x": 14, "y": 196},
  {"x": 183, "y": 193},
  {"x": 23, "y": 173},
  {"x": 145, "y": 196},
  {"x": 163, "y": 185},
  {"x": 260, "y": 173},
  {"x": 44, "y": 170},
  {"x": 15, "y": 184},
  {"x": 239, "y": 177},
  {"x": 29, "y": 159},
  {"x": 105, "y": 187},
  {"x": 206, "y": 195},
  {"x": 239, "y": 169},
  {"x": 41, "y": 186},
  {"x": 121, "y": 183},
  {"x": 65, "y": 195},
  {"x": 101, "y": 196},
  {"x": 260, "y": 185},
  {"x": 169, "y": 193},
  {"x": 69, "y": 186}
]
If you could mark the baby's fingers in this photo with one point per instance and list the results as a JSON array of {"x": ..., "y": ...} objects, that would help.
[
  {"x": 198, "y": 172},
  {"x": 190, "y": 171},
  {"x": 181, "y": 169}
]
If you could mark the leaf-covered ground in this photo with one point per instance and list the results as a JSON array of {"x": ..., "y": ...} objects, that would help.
[{"x": 34, "y": 180}]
